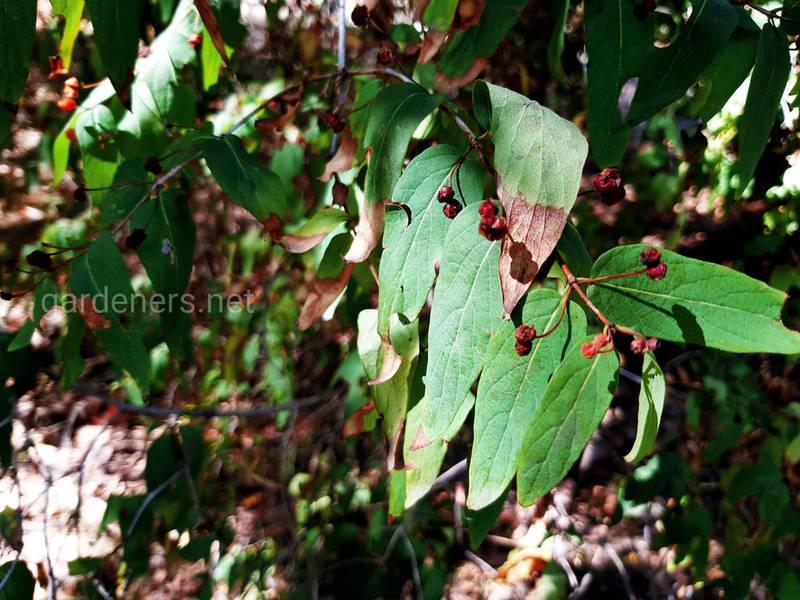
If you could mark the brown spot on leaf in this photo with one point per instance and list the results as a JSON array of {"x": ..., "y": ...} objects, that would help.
[
  {"x": 533, "y": 232},
  {"x": 355, "y": 424},
  {"x": 390, "y": 365},
  {"x": 420, "y": 441}
]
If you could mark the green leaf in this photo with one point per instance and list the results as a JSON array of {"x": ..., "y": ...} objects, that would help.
[
  {"x": 481, "y": 40},
  {"x": 412, "y": 251},
  {"x": 17, "y": 33},
  {"x": 95, "y": 129},
  {"x": 510, "y": 389},
  {"x": 570, "y": 410},
  {"x": 131, "y": 181},
  {"x": 250, "y": 185},
  {"x": 211, "y": 60},
  {"x": 574, "y": 252},
  {"x": 45, "y": 298},
  {"x": 85, "y": 566},
  {"x": 615, "y": 43},
  {"x": 423, "y": 464},
  {"x": 467, "y": 308},
  {"x": 767, "y": 84},
  {"x": 666, "y": 73},
  {"x": 480, "y": 522},
  {"x": 556, "y": 45},
  {"x": 396, "y": 113},
  {"x": 72, "y": 11},
  {"x": 730, "y": 66},
  {"x": 60, "y": 150},
  {"x": 5, "y": 126},
  {"x": 538, "y": 161},
  {"x": 116, "y": 33},
  {"x": 20, "y": 583},
  {"x": 391, "y": 396},
  {"x": 167, "y": 252},
  {"x": 127, "y": 352},
  {"x": 101, "y": 274},
  {"x": 23, "y": 337},
  {"x": 697, "y": 303},
  {"x": 439, "y": 14},
  {"x": 157, "y": 96},
  {"x": 68, "y": 350},
  {"x": 651, "y": 403}
]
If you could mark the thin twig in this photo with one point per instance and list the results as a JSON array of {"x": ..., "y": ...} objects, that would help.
[
  {"x": 152, "y": 495},
  {"x": 414, "y": 566}
]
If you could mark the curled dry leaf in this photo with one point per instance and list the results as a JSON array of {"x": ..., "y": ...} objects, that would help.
[
  {"x": 343, "y": 159},
  {"x": 451, "y": 85},
  {"x": 468, "y": 14},
  {"x": 322, "y": 295},
  {"x": 390, "y": 366},
  {"x": 356, "y": 425},
  {"x": 94, "y": 320},
  {"x": 430, "y": 45},
  {"x": 210, "y": 21},
  {"x": 368, "y": 232}
]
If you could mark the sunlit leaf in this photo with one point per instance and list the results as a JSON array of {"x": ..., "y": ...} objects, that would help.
[{"x": 651, "y": 403}]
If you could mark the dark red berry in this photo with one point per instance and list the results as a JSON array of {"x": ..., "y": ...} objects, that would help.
[
  {"x": 333, "y": 122},
  {"x": 40, "y": 260},
  {"x": 487, "y": 209},
  {"x": 385, "y": 55},
  {"x": 608, "y": 180},
  {"x": 523, "y": 348},
  {"x": 657, "y": 272},
  {"x": 80, "y": 194},
  {"x": 153, "y": 165},
  {"x": 613, "y": 197},
  {"x": 653, "y": 344},
  {"x": 360, "y": 15},
  {"x": 339, "y": 193},
  {"x": 451, "y": 209},
  {"x": 650, "y": 257},
  {"x": 493, "y": 229},
  {"x": 525, "y": 334},
  {"x": 445, "y": 194},
  {"x": 194, "y": 40},
  {"x": 7, "y": 296},
  {"x": 135, "y": 239},
  {"x": 639, "y": 345}
]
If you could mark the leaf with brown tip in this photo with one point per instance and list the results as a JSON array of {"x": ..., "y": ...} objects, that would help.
[{"x": 212, "y": 26}]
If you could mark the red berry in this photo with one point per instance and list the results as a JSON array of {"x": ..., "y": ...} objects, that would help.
[
  {"x": 657, "y": 272},
  {"x": 639, "y": 345},
  {"x": 650, "y": 257},
  {"x": 525, "y": 334},
  {"x": 7, "y": 296},
  {"x": 194, "y": 40},
  {"x": 360, "y": 15},
  {"x": 493, "y": 229},
  {"x": 601, "y": 339},
  {"x": 445, "y": 194},
  {"x": 608, "y": 180},
  {"x": 332, "y": 121},
  {"x": 385, "y": 55},
  {"x": 67, "y": 104},
  {"x": 487, "y": 209},
  {"x": 451, "y": 209},
  {"x": 523, "y": 348},
  {"x": 653, "y": 344},
  {"x": 589, "y": 350},
  {"x": 71, "y": 135}
]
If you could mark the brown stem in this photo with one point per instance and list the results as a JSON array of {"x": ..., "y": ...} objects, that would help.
[{"x": 573, "y": 283}]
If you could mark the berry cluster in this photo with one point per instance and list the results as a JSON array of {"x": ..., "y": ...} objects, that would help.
[
  {"x": 385, "y": 55},
  {"x": 595, "y": 347},
  {"x": 608, "y": 183},
  {"x": 451, "y": 207},
  {"x": 640, "y": 345},
  {"x": 135, "y": 239},
  {"x": 360, "y": 15},
  {"x": 651, "y": 258},
  {"x": 492, "y": 226},
  {"x": 153, "y": 165},
  {"x": 524, "y": 336},
  {"x": 40, "y": 260}
]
